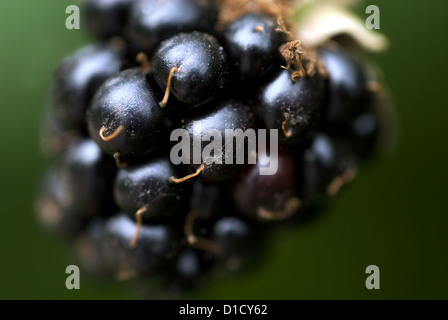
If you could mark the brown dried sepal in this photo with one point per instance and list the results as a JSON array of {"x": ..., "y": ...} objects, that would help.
[
  {"x": 233, "y": 9},
  {"x": 138, "y": 216},
  {"x": 303, "y": 61},
  {"x": 286, "y": 132},
  {"x": 313, "y": 63},
  {"x": 291, "y": 52},
  {"x": 119, "y": 161},
  {"x": 143, "y": 60}
]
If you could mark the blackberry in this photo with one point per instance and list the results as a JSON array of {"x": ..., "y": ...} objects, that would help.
[
  {"x": 106, "y": 18},
  {"x": 292, "y": 107},
  {"x": 54, "y": 137},
  {"x": 188, "y": 272},
  {"x": 78, "y": 77},
  {"x": 267, "y": 197},
  {"x": 147, "y": 188},
  {"x": 157, "y": 244},
  {"x": 207, "y": 199},
  {"x": 77, "y": 188},
  {"x": 232, "y": 236},
  {"x": 88, "y": 175},
  {"x": 142, "y": 183},
  {"x": 88, "y": 251},
  {"x": 53, "y": 207},
  {"x": 328, "y": 164},
  {"x": 348, "y": 94},
  {"x": 228, "y": 115},
  {"x": 188, "y": 265},
  {"x": 152, "y": 21},
  {"x": 124, "y": 117},
  {"x": 252, "y": 43},
  {"x": 365, "y": 133},
  {"x": 193, "y": 81}
]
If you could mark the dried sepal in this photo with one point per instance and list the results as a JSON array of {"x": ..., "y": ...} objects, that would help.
[
  {"x": 303, "y": 61},
  {"x": 278, "y": 9}
]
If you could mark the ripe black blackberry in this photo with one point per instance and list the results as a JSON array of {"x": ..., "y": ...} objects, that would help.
[
  {"x": 78, "y": 77},
  {"x": 106, "y": 18},
  {"x": 124, "y": 117},
  {"x": 192, "y": 81},
  {"x": 229, "y": 114},
  {"x": 150, "y": 22},
  {"x": 252, "y": 43},
  {"x": 139, "y": 204}
]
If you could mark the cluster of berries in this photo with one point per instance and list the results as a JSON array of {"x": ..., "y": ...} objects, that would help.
[{"x": 161, "y": 65}]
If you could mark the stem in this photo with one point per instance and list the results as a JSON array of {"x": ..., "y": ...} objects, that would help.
[
  {"x": 113, "y": 135},
  {"x": 164, "y": 102},
  {"x": 175, "y": 180},
  {"x": 138, "y": 215}
]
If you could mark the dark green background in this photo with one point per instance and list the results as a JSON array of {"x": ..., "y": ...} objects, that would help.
[{"x": 394, "y": 215}]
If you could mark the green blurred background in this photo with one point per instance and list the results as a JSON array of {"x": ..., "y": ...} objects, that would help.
[{"x": 394, "y": 215}]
